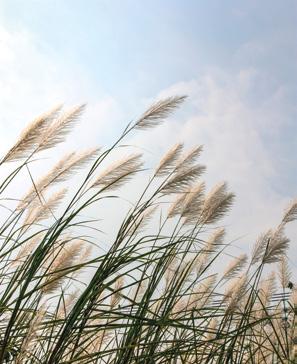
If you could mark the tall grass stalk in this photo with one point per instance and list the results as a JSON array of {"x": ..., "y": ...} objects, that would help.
[{"x": 154, "y": 294}]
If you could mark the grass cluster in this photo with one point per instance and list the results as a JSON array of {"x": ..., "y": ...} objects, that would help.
[{"x": 155, "y": 294}]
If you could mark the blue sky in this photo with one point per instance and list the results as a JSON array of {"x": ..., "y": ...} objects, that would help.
[
  {"x": 235, "y": 59},
  {"x": 144, "y": 46}
]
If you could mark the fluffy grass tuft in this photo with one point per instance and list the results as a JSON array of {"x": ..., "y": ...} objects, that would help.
[{"x": 160, "y": 287}]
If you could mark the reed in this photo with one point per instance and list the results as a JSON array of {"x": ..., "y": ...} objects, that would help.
[{"x": 162, "y": 287}]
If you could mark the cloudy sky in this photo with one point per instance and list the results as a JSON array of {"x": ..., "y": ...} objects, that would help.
[{"x": 236, "y": 60}]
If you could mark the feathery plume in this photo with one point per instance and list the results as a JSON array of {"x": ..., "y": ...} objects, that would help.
[
  {"x": 116, "y": 296},
  {"x": 193, "y": 204},
  {"x": 172, "y": 268},
  {"x": 277, "y": 247},
  {"x": 86, "y": 253},
  {"x": 267, "y": 288},
  {"x": 27, "y": 248},
  {"x": 201, "y": 261},
  {"x": 290, "y": 213},
  {"x": 180, "y": 306},
  {"x": 97, "y": 339},
  {"x": 235, "y": 266},
  {"x": 45, "y": 210},
  {"x": 67, "y": 304},
  {"x": 271, "y": 246},
  {"x": 46, "y": 180},
  {"x": 32, "y": 334},
  {"x": 156, "y": 113},
  {"x": 216, "y": 204},
  {"x": 140, "y": 223},
  {"x": 119, "y": 173},
  {"x": 168, "y": 161},
  {"x": 215, "y": 240},
  {"x": 82, "y": 258},
  {"x": 176, "y": 207},
  {"x": 187, "y": 160},
  {"x": 260, "y": 246},
  {"x": 64, "y": 258},
  {"x": 181, "y": 181},
  {"x": 202, "y": 293},
  {"x": 57, "y": 131},
  {"x": 30, "y": 137},
  {"x": 284, "y": 272},
  {"x": 61, "y": 171},
  {"x": 212, "y": 329},
  {"x": 235, "y": 291},
  {"x": 211, "y": 246}
]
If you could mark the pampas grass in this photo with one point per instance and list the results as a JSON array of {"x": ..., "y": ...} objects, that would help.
[
  {"x": 157, "y": 112},
  {"x": 119, "y": 173},
  {"x": 30, "y": 138},
  {"x": 161, "y": 287},
  {"x": 168, "y": 161}
]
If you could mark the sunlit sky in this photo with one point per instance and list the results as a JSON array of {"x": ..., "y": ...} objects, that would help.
[{"x": 236, "y": 60}]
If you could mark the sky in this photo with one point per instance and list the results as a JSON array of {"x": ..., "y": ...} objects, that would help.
[{"x": 236, "y": 61}]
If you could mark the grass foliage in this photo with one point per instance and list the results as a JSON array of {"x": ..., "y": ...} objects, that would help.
[{"x": 155, "y": 294}]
